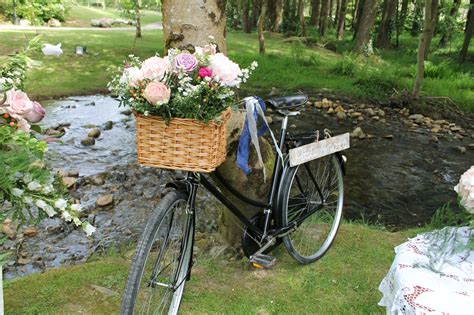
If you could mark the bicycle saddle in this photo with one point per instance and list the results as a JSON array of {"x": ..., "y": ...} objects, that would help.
[{"x": 287, "y": 102}]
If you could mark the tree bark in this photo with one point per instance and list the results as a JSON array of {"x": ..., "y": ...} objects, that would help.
[
  {"x": 256, "y": 7},
  {"x": 336, "y": 16},
  {"x": 323, "y": 17},
  {"x": 467, "y": 32},
  {"x": 367, "y": 20},
  {"x": 384, "y": 34},
  {"x": 246, "y": 27},
  {"x": 431, "y": 7},
  {"x": 453, "y": 13},
  {"x": 315, "y": 12},
  {"x": 401, "y": 18},
  {"x": 434, "y": 22},
  {"x": 278, "y": 16},
  {"x": 341, "y": 20},
  {"x": 138, "y": 24},
  {"x": 331, "y": 8},
  {"x": 184, "y": 23},
  {"x": 301, "y": 17},
  {"x": 261, "y": 26},
  {"x": 357, "y": 17}
]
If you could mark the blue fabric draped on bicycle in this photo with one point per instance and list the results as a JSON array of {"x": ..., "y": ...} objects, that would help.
[{"x": 255, "y": 108}]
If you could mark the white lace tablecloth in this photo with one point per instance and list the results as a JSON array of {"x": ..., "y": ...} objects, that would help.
[{"x": 432, "y": 273}]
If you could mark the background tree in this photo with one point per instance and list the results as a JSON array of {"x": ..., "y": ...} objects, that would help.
[
  {"x": 401, "y": 19},
  {"x": 431, "y": 8},
  {"x": 341, "y": 20},
  {"x": 467, "y": 32},
  {"x": 450, "y": 23},
  {"x": 246, "y": 24},
  {"x": 315, "y": 12},
  {"x": 261, "y": 26},
  {"x": 323, "y": 17},
  {"x": 301, "y": 18},
  {"x": 364, "y": 28},
  {"x": 278, "y": 16},
  {"x": 385, "y": 29}
]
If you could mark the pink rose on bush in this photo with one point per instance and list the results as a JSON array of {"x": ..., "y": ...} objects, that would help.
[
  {"x": 465, "y": 189},
  {"x": 204, "y": 72},
  {"x": 19, "y": 103},
  {"x": 224, "y": 70},
  {"x": 36, "y": 114},
  {"x": 185, "y": 61},
  {"x": 157, "y": 93},
  {"x": 155, "y": 67}
]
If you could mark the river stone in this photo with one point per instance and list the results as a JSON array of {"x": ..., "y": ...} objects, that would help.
[
  {"x": 30, "y": 231},
  {"x": 8, "y": 230},
  {"x": 97, "y": 180},
  {"x": 461, "y": 150},
  {"x": 69, "y": 181},
  {"x": 418, "y": 118},
  {"x": 389, "y": 137},
  {"x": 126, "y": 112},
  {"x": 355, "y": 115},
  {"x": 23, "y": 261},
  {"x": 94, "y": 133},
  {"x": 104, "y": 290},
  {"x": 341, "y": 115},
  {"x": 108, "y": 125},
  {"x": 105, "y": 200},
  {"x": 381, "y": 113},
  {"x": 358, "y": 133},
  {"x": 88, "y": 141},
  {"x": 370, "y": 112},
  {"x": 434, "y": 139}
]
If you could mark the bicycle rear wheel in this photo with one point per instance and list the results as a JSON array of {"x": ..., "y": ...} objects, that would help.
[
  {"x": 162, "y": 260},
  {"x": 312, "y": 198}
]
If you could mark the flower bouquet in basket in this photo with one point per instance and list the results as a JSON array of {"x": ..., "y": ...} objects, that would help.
[{"x": 181, "y": 104}]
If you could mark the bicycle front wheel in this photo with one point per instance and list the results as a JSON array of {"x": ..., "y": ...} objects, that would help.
[
  {"x": 162, "y": 260},
  {"x": 312, "y": 200}
]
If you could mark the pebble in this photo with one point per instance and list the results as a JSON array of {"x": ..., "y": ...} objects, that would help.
[
  {"x": 108, "y": 125},
  {"x": 381, "y": 113},
  {"x": 418, "y": 118},
  {"x": 126, "y": 112},
  {"x": 269, "y": 120},
  {"x": 434, "y": 139},
  {"x": 341, "y": 115},
  {"x": 97, "y": 180},
  {"x": 331, "y": 110},
  {"x": 88, "y": 141},
  {"x": 105, "y": 200},
  {"x": 69, "y": 181},
  {"x": 370, "y": 112},
  {"x": 358, "y": 133},
  {"x": 30, "y": 232},
  {"x": 461, "y": 150},
  {"x": 376, "y": 118},
  {"x": 23, "y": 261},
  {"x": 94, "y": 133},
  {"x": 435, "y": 130},
  {"x": 389, "y": 137},
  {"x": 355, "y": 114}
]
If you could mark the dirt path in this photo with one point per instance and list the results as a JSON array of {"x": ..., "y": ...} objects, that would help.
[{"x": 9, "y": 27}]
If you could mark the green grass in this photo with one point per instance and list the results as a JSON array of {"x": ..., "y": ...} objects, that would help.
[
  {"x": 80, "y": 16},
  {"x": 287, "y": 65},
  {"x": 345, "y": 281}
]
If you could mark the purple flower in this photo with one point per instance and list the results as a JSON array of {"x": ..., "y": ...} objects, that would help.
[{"x": 186, "y": 61}]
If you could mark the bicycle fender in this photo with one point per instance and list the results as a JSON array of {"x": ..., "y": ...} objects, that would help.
[{"x": 179, "y": 185}]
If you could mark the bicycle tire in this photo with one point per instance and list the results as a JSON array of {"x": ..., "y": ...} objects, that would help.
[
  {"x": 160, "y": 235},
  {"x": 321, "y": 226}
]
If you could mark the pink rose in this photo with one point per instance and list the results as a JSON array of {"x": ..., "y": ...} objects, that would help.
[
  {"x": 224, "y": 70},
  {"x": 19, "y": 103},
  {"x": 155, "y": 67},
  {"x": 132, "y": 76},
  {"x": 156, "y": 93},
  {"x": 204, "y": 72},
  {"x": 23, "y": 124},
  {"x": 206, "y": 50},
  {"x": 186, "y": 61},
  {"x": 36, "y": 114}
]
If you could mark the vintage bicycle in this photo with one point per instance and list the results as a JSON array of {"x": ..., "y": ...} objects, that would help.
[{"x": 303, "y": 211}]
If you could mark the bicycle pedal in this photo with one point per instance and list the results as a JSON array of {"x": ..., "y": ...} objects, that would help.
[{"x": 262, "y": 261}]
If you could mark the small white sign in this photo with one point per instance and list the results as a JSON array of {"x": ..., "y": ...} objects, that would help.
[{"x": 319, "y": 149}]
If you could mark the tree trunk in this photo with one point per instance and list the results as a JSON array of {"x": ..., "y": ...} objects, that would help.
[
  {"x": 336, "y": 16},
  {"x": 401, "y": 18},
  {"x": 435, "y": 11},
  {"x": 331, "y": 8},
  {"x": 323, "y": 17},
  {"x": 256, "y": 7},
  {"x": 417, "y": 16},
  {"x": 246, "y": 27},
  {"x": 278, "y": 16},
  {"x": 358, "y": 17},
  {"x": 341, "y": 20},
  {"x": 138, "y": 24},
  {"x": 184, "y": 22},
  {"x": 453, "y": 13},
  {"x": 367, "y": 20},
  {"x": 315, "y": 12},
  {"x": 384, "y": 34},
  {"x": 431, "y": 6},
  {"x": 301, "y": 17},
  {"x": 467, "y": 32},
  {"x": 261, "y": 26}
]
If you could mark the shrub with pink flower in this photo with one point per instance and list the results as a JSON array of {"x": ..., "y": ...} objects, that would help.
[
  {"x": 198, "y": 84},
  {"x": 20, "y": 110}
]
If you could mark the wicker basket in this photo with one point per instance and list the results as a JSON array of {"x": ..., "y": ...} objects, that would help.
[{"x": 184, "y": 144}]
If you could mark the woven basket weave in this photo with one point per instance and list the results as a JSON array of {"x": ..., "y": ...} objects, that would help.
[{"x": 184, "y": 144}]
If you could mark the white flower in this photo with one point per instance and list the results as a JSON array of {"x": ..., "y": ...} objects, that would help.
[
  {"x": 27, "y": 178},
  {"x": 28, "y": 200},
  {"x": 76, "y": 207},
  {"x": 67, "y": 216},
  {"x": 17, "y": 192},
  {"x": 41, "y": 204},
  {"x": 48, "y": 189},
  {"x": 60, "y": 204},
  {"x": 34, "y": 185},
  {"x": 465, "y": 190},
  {"x": 88, "y": 228},
  {"x": 49, "y": 210},
  {"x": 77, "y": 222}
]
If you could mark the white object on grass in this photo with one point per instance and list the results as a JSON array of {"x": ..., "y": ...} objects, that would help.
[{"x": 52, "y": 50}]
